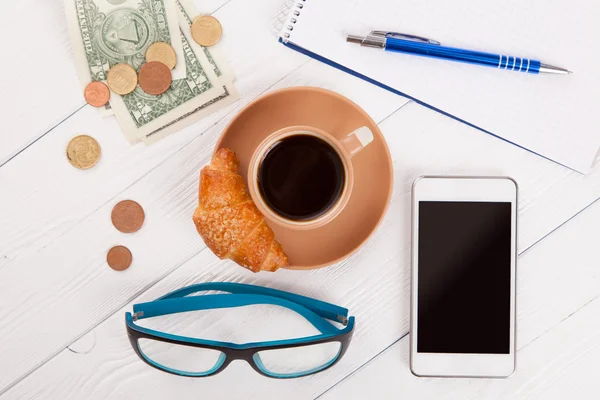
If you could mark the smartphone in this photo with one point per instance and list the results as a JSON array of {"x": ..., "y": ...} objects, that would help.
[{"x": 464, "y": 235}]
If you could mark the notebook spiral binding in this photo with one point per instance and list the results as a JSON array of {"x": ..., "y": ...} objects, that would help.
[{"x": 294, "y": 12}]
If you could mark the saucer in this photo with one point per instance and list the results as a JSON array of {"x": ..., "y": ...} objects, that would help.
[{"x": 373, "y": 174}]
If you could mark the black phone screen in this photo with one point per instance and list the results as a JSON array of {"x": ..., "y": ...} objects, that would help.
[{"x": 464, "y": 277}]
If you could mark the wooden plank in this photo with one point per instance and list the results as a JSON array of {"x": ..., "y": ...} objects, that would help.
[
  {"x": 53, "y": 209},
  {"x": 558, "y": 332},
  {"x": 373, "y": 284},
  {"x": 69, "y": 195},
  {"x": 38, "y": 80},
  {"x": 66, "y": 283},
  {"x": 111, "y": 369}
]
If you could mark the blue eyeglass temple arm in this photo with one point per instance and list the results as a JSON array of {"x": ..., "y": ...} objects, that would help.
[
  {"x": 325, "y": 310},
  {"x": 313, "y": 310}
]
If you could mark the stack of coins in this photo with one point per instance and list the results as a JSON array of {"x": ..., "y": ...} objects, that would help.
[{"x": 154, "y": 77}]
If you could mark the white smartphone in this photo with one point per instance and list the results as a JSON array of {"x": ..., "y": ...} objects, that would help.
[{"x": 464, "y": 235}]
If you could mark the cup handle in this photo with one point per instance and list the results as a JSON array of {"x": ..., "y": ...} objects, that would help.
[{"x": 357, "y": 140}]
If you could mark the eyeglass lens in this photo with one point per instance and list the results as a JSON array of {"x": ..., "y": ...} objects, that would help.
[
  {"x": 297, "y": 361},
  {"x": 179, "y": 358}
]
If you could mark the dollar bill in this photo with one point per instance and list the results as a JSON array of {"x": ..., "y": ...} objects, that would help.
[
  {"x": 203, "y": 85},
  {"x": 220, "y": 68},
  {"x": 229, "y": 96},
  {"x": 108, "y": 32},
  {"x": 140, "y": 114}
]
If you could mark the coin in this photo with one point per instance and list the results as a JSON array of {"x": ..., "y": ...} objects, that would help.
[
  {"x": 83, "y": 152},
  {"x": 121, "y": 79},
  {"x": 206, "y": 30},
  {"x": 127, "y": 216},
  {"x": 119, "y": 258},
  {"x": 96, "y": 94},
  {"x": 155, "y": 77},
  {"x": 163, "y": 52}
]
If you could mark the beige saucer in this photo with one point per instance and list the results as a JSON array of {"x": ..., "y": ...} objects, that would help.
[{"x": 373, "y": 174}]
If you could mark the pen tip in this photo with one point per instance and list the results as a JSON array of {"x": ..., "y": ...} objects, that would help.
[
  {"x": 569, "y": 72},
  {"x": 354, "y": 39}
]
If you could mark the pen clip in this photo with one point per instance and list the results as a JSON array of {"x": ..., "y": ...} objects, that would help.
[{"x": 403, "y": 36}]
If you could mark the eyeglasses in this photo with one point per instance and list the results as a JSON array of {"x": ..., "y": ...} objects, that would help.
[{"x": 193, "y": 357}]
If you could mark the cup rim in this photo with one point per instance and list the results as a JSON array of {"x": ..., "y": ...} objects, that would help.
[{"x": 271, "y": 214}]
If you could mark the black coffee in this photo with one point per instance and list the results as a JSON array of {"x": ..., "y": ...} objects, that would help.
[{"x": 301, "y": 177}]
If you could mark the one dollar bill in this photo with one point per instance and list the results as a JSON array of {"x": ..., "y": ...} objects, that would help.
[
  {"x": 109, "y": 32},
  {"x": 220, "y": 67}
]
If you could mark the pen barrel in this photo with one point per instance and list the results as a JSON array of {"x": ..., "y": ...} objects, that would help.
[{"x": 467, "y": 56}]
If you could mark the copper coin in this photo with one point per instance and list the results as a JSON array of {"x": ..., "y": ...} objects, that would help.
[
  {"x": 119, "y": 258},
  {"x": 121, "y": 79},
  {"x": 96, "y": 94},
  {"x": 155, "y": 77},
  {"x": 163, "y": 52},
  {"x": 127, "y": 216},
  {"x": 83, "y": 152},
  {"x": 206, "y": 30}
]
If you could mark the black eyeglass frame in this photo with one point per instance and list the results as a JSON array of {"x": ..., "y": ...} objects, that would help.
[{"x": 315, "y": 311}]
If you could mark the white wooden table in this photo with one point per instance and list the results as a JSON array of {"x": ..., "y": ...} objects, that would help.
[{"x": 62, "y": 332}]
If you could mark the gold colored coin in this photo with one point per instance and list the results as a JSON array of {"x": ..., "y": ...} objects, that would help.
[
  {"x": 119, "y": 258},
  {"x": 162, "y": 52},
  {"x": 121, "y": 79},
  {"x": 83, "y": 152},
  {"x": 206, "y": 30}
]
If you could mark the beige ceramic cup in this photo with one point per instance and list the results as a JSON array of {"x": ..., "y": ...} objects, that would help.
[{"x": 347, "y": 147}]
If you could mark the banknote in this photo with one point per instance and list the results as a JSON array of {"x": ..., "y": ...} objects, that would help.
[
  {"x": 105, "y": 32},
  {"x": 108, "y": 32},
  {"x": 220, "y": 68},
  {"x": 229, "y": 96},
  {"x": 140, "y": 114}
]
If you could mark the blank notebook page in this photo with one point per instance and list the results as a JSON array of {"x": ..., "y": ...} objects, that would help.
[{"x": 556, "y": 116}]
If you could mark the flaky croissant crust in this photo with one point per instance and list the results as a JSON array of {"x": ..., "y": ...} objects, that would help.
[{"x": 229, "y": 222}]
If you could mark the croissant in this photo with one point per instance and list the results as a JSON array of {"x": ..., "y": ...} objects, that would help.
[{"x": 229, "y": 222}]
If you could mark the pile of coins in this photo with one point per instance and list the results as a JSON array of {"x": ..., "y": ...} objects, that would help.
[
  {"x": 128, "y": 217},
  {"x": 154, "y": 77}
]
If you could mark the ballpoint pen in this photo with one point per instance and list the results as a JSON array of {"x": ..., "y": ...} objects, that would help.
[{"x": 420, "y": 46}]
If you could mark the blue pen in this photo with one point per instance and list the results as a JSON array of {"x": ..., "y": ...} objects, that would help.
[{"x": 420, "y": 46}]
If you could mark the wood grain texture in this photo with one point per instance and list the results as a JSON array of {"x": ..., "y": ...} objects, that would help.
[
  {"x": 53, "y": 213},
  {"x": 55, "y": 286},
  {"x": 38, "y": 81},
  {"x": 373, "y": 283},
  {"x": 558, "y": 332},
  {"x": 390, "y": 258},
  {"x": 40, "y": 86},
  {"x": 111, "y": 370}
]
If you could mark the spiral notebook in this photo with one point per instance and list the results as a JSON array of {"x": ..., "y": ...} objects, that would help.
[{"x": 557, "y": 117}]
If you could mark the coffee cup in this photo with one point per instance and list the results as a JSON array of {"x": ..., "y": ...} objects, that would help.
[{"x": 302, "y": 177}]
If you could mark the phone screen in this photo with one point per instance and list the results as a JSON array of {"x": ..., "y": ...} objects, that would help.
[{"x": 464, "y": 277}]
